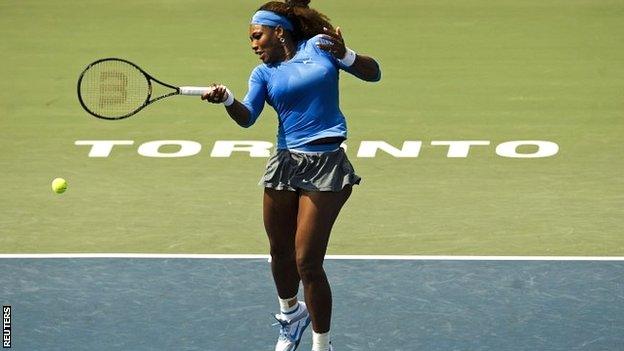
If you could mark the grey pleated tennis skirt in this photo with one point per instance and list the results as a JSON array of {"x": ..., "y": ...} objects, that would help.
[{"x": 323, "y": 171}]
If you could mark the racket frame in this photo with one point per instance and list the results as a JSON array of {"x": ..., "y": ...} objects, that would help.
[{"x": 147, "y": 101}]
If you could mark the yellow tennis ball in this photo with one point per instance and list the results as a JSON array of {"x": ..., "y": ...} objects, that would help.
[{"x": 59, "y": 185}]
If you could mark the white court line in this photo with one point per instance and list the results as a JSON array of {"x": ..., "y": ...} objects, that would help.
[{"x": 330, "y": 257}]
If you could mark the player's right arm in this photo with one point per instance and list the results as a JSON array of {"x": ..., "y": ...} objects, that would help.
[
  {"x": 237, "y": 111},
  {"x": 244, "y": 113}
]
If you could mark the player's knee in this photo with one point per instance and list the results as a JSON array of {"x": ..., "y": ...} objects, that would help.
[
  {"x": 310, "y": 268},
  {"x": 282, "y": 254}
]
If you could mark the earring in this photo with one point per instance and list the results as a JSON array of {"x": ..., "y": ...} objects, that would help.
[{"x": 282, "y": 40}]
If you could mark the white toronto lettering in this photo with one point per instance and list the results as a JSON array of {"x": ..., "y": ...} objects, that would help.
[
  {"x": 369, "y": 149},
  {"x": 225, "y": 148},
  {"x": 459, "y": 148},
  {"x": 102, "y": 148},
  {"x": 186, "y": 148},
  {"x": 544, "y": 149}
]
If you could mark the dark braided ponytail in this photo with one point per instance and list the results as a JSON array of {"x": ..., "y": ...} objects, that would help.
[{"x": 306, "y": 21}]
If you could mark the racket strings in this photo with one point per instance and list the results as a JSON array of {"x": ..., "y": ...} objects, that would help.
[{"x": 114, "y": 89}]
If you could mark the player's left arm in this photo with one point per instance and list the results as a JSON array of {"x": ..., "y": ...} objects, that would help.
[{"x": 361, "y": 66}]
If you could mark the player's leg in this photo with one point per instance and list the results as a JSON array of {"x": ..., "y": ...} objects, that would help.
[
  {"x": 280, "y": 220},
  {"x": 280, "y": 209},
  {"x": 317, "y": 213}
]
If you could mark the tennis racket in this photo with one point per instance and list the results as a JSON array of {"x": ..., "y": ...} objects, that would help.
[{"x": 114, "y": 88}]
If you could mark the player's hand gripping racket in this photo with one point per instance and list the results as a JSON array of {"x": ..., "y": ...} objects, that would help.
[{"x": 113, "y": 88}]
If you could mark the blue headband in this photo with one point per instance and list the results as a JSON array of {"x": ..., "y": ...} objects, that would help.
[{"x": 271, "y": 19}]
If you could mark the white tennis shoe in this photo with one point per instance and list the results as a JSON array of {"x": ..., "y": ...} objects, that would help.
[
  {"x": 331, "y": 348},
  {"x": 292, "y": 327}
]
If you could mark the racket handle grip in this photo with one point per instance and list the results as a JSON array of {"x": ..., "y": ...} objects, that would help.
[{"x": 195, "y": 91}]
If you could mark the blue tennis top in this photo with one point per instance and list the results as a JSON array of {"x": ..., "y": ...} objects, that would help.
[{"x": 304, "y": 93}]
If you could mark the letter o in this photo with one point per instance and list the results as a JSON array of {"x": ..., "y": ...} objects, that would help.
[
  {"x": 544, "y": 149},
  {"x": 152, "y": 148}
]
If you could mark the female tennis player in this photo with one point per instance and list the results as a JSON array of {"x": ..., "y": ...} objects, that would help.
[{"x": 309, "y": 178}]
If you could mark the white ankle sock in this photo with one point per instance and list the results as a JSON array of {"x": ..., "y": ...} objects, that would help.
[
  {"x": 320, "y": 342},
  {"x": 285, "y": 307}
]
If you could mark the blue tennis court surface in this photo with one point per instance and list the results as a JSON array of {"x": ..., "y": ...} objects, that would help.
[{"x": 226, "y": 304}]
